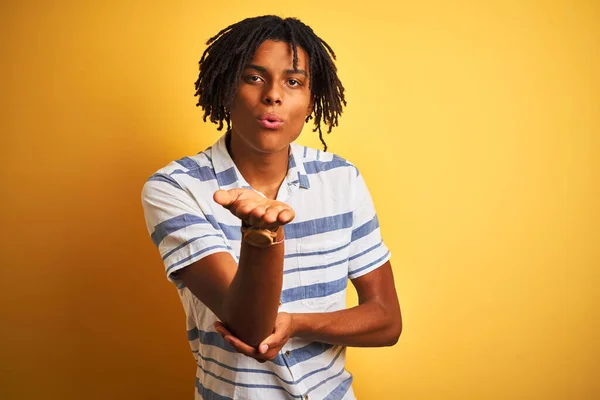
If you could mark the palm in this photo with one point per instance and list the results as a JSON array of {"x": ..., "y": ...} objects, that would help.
[{"x": 258, "y": 211}]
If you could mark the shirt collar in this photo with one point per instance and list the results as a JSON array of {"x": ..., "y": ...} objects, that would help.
[
  {"x": 228, "y": 176},
  {"x": 296, "y": 169}
]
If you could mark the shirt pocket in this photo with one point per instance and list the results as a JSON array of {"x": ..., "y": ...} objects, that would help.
[{"x": 323, "y": 273}]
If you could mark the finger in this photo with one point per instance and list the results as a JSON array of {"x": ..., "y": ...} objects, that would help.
[
  {"x": 224, "y": 198},
  {"x": 240, "y": 346},
  {"x": 273, "y": 342},
  {"x": 237, "y": 344},
  {"x": 286, "y": 216},
  {"x": 221, "y": 329},
  {"x": 244, "y": 349},
  {"x": 263, "y": 348},
  {"x": 247, "y": 349},
  {"x": 255, "y": 217},
  {"x": 268, "y": 342},
  {"x": 243, "y": 208},
  {"x": 272, "y": 212}
]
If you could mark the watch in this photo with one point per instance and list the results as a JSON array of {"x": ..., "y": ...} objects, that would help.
[{"x": 259, "y": 237}]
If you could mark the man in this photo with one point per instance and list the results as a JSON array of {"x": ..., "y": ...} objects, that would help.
[{"x": 261, "y": 235}]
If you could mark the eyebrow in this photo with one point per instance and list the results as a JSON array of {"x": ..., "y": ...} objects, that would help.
[{"x": 287, "y": 71}]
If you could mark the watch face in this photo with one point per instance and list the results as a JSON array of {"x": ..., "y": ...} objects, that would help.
[{"x": 258, "y": 238}]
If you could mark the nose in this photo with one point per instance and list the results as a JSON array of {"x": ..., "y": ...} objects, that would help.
[{"x": 272, "y": 95}]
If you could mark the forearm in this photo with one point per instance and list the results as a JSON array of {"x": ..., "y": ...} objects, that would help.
[
  {"x": 252, "y": 300},
  {"x": 367, "y": 325}
]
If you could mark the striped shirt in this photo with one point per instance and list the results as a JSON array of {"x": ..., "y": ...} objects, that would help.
[{"x": 334, "y": 237}]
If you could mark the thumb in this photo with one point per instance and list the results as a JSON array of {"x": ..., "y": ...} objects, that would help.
[
  {"x": 226, "y": 197},
  {"x": 264, "y": 346}
]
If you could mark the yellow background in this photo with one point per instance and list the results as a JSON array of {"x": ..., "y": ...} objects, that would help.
[{"x": 475, "y": 124}]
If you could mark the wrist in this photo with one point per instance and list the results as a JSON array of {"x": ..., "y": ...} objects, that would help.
[
  {"x": 262, "y": 237},
  {"x": 293, "y": 324},
  {"x": 280, "y": 234},
  {"x": 297, "y": 324}
]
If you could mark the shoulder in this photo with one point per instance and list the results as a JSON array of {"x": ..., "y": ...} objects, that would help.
[
  {"x": 178, "y": 172},
  {"x": 179, "y": 178}
]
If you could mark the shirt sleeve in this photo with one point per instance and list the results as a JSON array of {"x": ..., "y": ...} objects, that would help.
[
  {"x": 367, "y": 250},
  {"x": 178, "y": 226}
]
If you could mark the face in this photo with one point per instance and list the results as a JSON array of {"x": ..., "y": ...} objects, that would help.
[{"x": 272, "y": 99}]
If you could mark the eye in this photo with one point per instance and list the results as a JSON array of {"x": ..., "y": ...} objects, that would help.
[
  {"x": 253, "y": 78},
  {"x": 293, "y": 82}
]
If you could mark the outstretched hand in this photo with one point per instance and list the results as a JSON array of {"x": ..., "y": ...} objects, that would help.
[
  {"x": 269, "y": 348},
  {"x": 254, "y": 209}
]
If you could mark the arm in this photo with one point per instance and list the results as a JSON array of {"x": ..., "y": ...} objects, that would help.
[
  {"x": 245, "y": 296},
  {"x": 376, "y": 321}
]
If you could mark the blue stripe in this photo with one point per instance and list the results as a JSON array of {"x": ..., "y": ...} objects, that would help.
[
  {"x": 319, "y": 225},
  {"x": 314, "y": 167},
  {"x": 208, "y": 394},
  {"x": 250, "y": 385},
  {"x": 227, "y": 177},
  {"x": 291, "y": 161},
  {"x": 267, "y": 372},
  {"x": 345, "y": 260},
  {"x": 370, "y": 264},
  {"x": 316, "y": 290},
  {"x": 209, "y": 339},
  {"x": 232, "y": 232},
  {"x": 366, "y": 251},
  {"x": 341, "y": 350},
  {"x": 302, "y": 354},
  {"x": 164, "y": 178},
  {"x": 365, "y": 229},
  {"x": 340, "y": 391},
  {"x": 296, "y": 356},
  {"x": 326, "y": 380},
  {"x": 317, "y": 253},
  {"x": 187, "y": 242},
  {"x": 169, "y": 226},
  {"x": 196, "y": 254},
  {"x": 248, "y": 370},
  {"x": 201, "y": 173},
  {"x": 305, "y": 150},
  {"x": 188, "y": 163},
  {"x": 206, "y": 173},
  {"x": 304, "y": 183}
]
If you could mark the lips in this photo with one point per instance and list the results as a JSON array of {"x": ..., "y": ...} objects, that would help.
[{"x": 270, "y": 121}]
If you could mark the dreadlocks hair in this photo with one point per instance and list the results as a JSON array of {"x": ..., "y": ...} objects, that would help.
[{"x": 230, "y": 50}]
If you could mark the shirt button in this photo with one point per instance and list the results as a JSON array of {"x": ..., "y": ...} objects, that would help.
[
  {"x": 305, "y": 397},
  {"x": 287, "y": 353}
]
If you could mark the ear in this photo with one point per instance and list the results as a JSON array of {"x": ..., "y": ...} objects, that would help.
[{"x": 309, "y": 110}]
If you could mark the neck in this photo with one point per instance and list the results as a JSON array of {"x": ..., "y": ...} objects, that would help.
[{"x": 263, "y": 171}]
